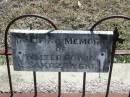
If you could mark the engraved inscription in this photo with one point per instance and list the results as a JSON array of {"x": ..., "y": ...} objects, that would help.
[{"x": 61, "y": 51}]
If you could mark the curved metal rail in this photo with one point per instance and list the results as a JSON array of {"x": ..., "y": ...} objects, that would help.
[
  {"x": 7, "y": 54},
  {"x": 115, "y": 39}
]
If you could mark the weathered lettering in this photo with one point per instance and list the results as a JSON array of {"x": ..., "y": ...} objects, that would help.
[{"x": 61, "y": 50}]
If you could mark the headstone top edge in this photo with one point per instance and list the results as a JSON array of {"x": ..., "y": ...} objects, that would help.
[{"x": 59, "y": 31}]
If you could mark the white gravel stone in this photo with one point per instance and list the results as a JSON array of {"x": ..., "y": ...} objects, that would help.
[{"x": 71, "y": 81}]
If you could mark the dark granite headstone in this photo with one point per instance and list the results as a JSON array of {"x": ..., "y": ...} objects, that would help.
[{"x": 61, "y": 50}]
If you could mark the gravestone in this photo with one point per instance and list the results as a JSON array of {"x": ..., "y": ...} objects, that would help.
[{"x": 61, "y": 50}]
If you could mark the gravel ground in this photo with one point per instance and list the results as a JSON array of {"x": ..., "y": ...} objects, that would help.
[{"x": 71, "y": 81}]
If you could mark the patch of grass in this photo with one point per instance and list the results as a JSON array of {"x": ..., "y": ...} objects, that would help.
[
  {"x": 122, "y": 59},
  {"x": 2, "y": 60}
]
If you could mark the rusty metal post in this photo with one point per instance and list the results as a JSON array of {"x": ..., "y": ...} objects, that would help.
[
  {"x": 84, "y": 84},
  {"x": 34, "y": 74},
  {"x": 129, "y": 94},
  {"x": 59, "y": 84},
  {"x": 115, "y": 38},
  {"x": 35, "y": 83}
]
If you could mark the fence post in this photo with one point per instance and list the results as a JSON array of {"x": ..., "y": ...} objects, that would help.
[{"x": 115, "y": 38}]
